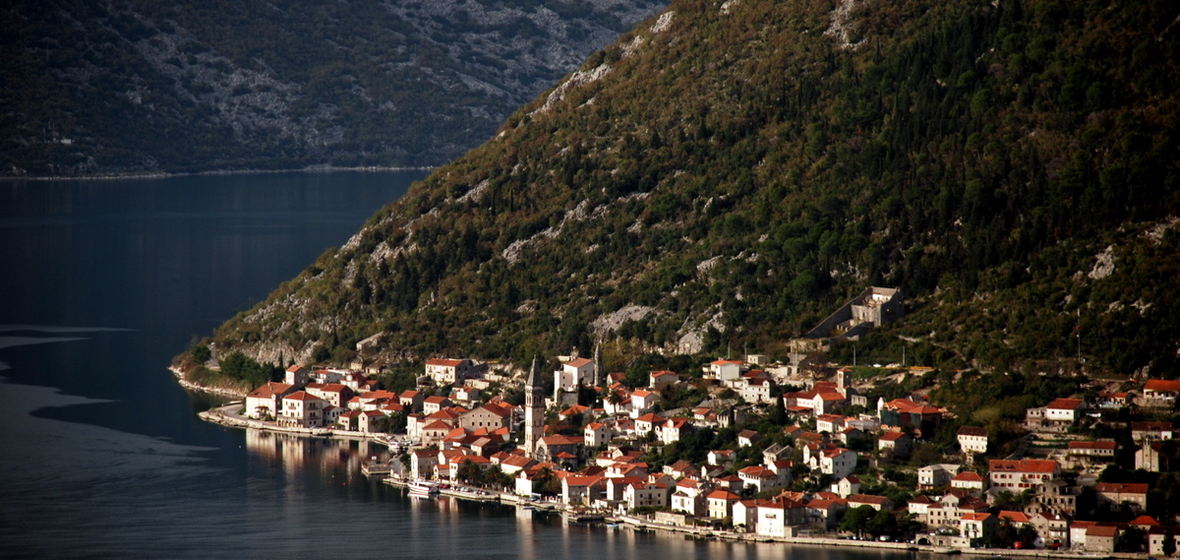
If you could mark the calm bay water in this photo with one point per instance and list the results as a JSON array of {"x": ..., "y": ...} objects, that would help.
[{"x": 103, "y": 455}]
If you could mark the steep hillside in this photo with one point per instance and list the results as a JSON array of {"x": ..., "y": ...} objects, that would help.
[
  {"x": 728, "y": 172},
  {"x": 133, "y": 85}
]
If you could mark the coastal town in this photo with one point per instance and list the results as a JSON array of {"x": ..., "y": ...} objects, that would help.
[{"x": 765, "y": 450}]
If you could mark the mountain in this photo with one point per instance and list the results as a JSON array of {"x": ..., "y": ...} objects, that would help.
[
  {"x": 132, "y": 86},
  {"x": 728, "y": 173}
]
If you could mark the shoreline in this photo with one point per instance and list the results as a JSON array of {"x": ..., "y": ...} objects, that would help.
[
  {"x": 210, "y": 173},
  {"x": 705, "y": 533},
  {"x": 216, "y": 391},
  {"x": 218, "y": 416}
]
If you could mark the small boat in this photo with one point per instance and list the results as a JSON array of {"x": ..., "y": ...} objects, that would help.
[{"x": 424, "y": 489}]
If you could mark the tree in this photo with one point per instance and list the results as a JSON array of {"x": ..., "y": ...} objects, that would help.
[
  {"x": 469, "y": 472},
  {"x": 882, "y": 522},
  {"x": 1133, "y": 539},
  {"x": 857, "y": 520},
  {"x": 201, "y": 354}
]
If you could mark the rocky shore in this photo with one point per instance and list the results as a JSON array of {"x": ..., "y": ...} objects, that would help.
[{"x": 232, "y": 392}]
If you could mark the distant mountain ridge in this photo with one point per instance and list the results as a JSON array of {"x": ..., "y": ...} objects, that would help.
[
  {"x": 126, "y": 86},
  {"x": 728, "y": 173}
]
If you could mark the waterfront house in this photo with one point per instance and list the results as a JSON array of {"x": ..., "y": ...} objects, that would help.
[
  {"x": 369, "y": 421},
  {"x": 876, "y": 502},
  {"x": 777, "y": 518},
  {"x": 348, "y": 420},
  {"x": 302, "y": 410},
  {"x": 614, "y": 486},
  {"x": 981, "y": 526},
  {"x": 266, "y": 401},
  {"x": 1156, "y": 538},
  {"x": 827, "y": 512},
  {"x": 1051, "y": 528},
  {"x": 719, "y": 503},
  {"x": 422, "y": 463},
  {"x": 582, "y": 490},
  {"x": 1101, "y": 538},
  {"x": 645, "y": 494}
]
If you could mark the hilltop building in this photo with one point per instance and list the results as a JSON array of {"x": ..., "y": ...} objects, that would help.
[{"x": 872, "y": 308}]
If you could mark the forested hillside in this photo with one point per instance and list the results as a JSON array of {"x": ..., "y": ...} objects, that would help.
[
  {"x": 126, "y": 86},
  {"x": 728, "y": 173}
]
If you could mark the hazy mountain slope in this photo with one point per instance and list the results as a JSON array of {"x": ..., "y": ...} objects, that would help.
[
  {"x": 133, "y": 85},
  {"x": 728, "y": 173}
]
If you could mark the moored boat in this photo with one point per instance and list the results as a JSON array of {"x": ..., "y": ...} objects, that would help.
[{"x": 423, "y": 489}]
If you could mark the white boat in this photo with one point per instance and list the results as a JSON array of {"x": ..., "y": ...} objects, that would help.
[{"x": 424, "y": 489}]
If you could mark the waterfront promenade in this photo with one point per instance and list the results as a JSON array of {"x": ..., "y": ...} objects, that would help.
[{"x": 230, "y": 415}]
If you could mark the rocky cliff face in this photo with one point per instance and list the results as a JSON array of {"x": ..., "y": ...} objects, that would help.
[{"x": 124, "y": 86}]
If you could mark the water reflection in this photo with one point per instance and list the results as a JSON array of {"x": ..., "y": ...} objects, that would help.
[{"x": 323, "y": 457}]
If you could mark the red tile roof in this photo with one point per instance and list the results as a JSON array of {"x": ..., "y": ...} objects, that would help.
[
  {"x": 1065, "y": 404},
  {"x": 1162, "y": 386},
  {"x": 443, "y": 362},
  {"x": 1023, "y": 465},
  {"x": 1121, "y": 487}
]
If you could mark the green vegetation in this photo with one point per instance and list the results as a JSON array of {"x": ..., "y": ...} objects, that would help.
[
  {"x": 739, "y": 175},
  {"x": 238, "y": 366}
]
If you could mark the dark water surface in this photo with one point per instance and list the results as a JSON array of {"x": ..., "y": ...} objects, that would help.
[{"x": 102, "y": 282}]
